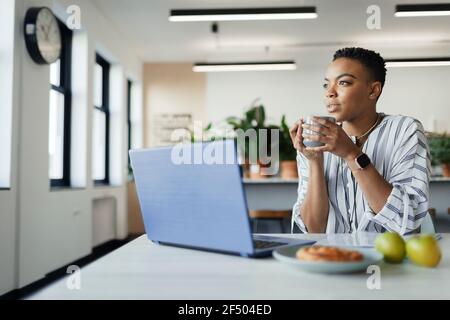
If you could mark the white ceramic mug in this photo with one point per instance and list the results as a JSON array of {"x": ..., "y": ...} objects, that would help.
[{"x": 309, "y": 120}]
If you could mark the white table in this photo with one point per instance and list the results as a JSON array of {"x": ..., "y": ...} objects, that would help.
[{"x": 143, "y": 270}]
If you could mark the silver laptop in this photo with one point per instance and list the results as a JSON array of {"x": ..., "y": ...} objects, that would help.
[{"x": 192, "y": 195}]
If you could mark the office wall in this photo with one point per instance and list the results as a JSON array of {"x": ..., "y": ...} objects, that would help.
[
  {"x": 172, "y": 88},
  {"x": 56, "y": 227},
  {"x": 419, "y": 92},
  {"x": 6, "y": 88},
  {"x": 8, "y": 133},
  {"x": 168, "y": 88}
]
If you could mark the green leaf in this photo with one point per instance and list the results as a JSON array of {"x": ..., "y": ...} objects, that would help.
[
  {"x": 439, "y": 148},
  {"x": 234, "y": 123},
  {"x": 287, "y": 150},
  {"x": 250, "y": 115},
  {"x": 208, "y": 127},
  {"x": 260, "y": 116},
  {"x": 284, "y": 126}
]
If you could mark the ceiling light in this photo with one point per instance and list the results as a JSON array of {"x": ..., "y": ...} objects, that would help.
[
  {"x": 285, "y": 13},
  {"x": 422, "y": 62},
  {"x": 423, "y": 10},
  {"x": 244, "y": 66}
]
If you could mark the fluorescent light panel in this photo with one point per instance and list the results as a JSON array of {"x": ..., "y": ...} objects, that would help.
[
  {"x": 244, "y": 66},
  {"x": 423, "y": 10},
  {"x": 422, "y": 62},
  {"x": 286, "y": 13}
]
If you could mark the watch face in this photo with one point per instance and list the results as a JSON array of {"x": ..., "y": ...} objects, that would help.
[
  {"x": 48, "y": 36},
  {"x": 363, "y": 161}
]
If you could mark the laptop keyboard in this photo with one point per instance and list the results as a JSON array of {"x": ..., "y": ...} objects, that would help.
[{"x": 260, "y": 244}]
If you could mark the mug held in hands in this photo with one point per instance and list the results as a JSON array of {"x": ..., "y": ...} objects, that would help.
[{"x": 310, "y": 121}]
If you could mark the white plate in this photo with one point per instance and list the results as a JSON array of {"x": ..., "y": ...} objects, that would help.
[{"x": 288, "y": 255}]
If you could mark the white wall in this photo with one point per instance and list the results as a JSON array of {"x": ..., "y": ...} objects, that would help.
[
  {"x": 8, "y": 161},
  {"x": 419, "y": 92},
  {"x": 172, "y": 88},
  {"x": 6, "y": 88},
  {"x": 282, "y": 92},
  {"x": 56, "y": 227}
]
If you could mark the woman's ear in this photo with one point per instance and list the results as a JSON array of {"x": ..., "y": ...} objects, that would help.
[{"x": 375, "y": 90}]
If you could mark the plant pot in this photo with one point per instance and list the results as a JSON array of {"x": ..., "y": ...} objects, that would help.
[
  {"x": 246, "y": 169},
  {"x": 255, "y": 172},
  {"x": 446, "y": 169},
  {"x": 288, "y": 169}
]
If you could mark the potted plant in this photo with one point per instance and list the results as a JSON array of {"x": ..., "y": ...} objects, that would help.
[
  {"x": 439, "y": 144},
  {"x": 204, "y": 131},
  {"x": 254, "y": 118},
  {"x": 288, "y": 154}
]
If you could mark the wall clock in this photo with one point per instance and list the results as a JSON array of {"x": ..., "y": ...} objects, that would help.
[{"x": 42, "y": 35}]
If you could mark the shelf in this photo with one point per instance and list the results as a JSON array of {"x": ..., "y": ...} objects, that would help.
[
  {"x": 268, "y": 180},
  {"x": 290, "y": 181},
  {"x": 440, "y": 179}
]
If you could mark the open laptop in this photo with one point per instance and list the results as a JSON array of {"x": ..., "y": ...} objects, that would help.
[{"x": 191, "y": 195}]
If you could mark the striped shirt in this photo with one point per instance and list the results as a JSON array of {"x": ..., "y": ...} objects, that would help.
[{"x": 399, "y": 151}]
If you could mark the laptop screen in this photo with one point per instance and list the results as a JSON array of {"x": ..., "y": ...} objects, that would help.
[{"x": 192, "y": 195}]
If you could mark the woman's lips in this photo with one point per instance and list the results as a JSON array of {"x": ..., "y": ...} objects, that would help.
[{"x": 333, "y": 107}]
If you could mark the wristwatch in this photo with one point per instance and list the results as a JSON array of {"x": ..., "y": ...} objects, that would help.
[{"x": 362, "y": 161}]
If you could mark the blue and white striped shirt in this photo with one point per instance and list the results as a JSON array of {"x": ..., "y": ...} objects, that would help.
[{"x": 399, "y": 151}]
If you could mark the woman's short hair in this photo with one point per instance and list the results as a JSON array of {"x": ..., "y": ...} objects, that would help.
[{"x": 368, "y": 58}]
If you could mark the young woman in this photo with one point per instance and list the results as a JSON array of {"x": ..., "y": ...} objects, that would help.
[{"x": 373, "y": 172}]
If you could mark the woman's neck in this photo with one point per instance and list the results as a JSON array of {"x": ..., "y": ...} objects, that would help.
[{"x": 359, "y": 126}]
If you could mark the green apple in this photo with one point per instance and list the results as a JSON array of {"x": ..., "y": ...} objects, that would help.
[
  {"x": 392, "y": 246},
  {"x": 424, "y": 250}
]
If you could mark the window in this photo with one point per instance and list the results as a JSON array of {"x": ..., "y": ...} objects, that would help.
[
  {"x": 100, "y": 132},
  {"x": 134, "y": 120},
  {"x": 7, "y": 27},
  {"x": 130, "y": 131},
  {"x": 60, "y": 113}
]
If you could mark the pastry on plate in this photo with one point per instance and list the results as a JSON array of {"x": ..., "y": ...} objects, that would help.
[{"x": 330, "y": 254}]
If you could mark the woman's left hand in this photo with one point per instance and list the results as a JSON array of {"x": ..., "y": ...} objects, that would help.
[{"x": 334, "y": 137}]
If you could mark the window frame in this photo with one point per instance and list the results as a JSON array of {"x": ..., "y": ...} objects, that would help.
[
  {"x": 129, "y": 88},
  {"x": 106, "y": 66},
  {"x": 65, "y": 88}
]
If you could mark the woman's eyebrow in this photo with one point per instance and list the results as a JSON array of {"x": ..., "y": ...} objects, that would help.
[{"x": 342, "y": 75}]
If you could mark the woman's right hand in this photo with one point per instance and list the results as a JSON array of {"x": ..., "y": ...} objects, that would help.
[{"x": 297, "y": 140}]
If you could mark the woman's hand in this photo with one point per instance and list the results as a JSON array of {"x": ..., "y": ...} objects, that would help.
[
  {"x": 296, "y": 132},
  {"x": 334, "y": 137}
]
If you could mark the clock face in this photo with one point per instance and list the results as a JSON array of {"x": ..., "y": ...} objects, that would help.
[{"x": 48, "y": 36}]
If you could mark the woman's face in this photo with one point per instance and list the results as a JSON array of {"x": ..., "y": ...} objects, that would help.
[{"x": 348, "y": 90}]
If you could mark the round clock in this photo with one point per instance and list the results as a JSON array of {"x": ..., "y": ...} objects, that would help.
[{"x": 42, "y": 35}]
